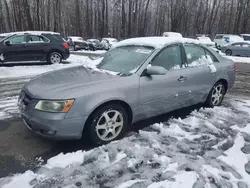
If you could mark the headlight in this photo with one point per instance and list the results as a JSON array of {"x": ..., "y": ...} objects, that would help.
[{"x": 54, "y": 106}]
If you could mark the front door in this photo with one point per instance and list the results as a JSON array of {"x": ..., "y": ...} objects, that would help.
[
  {"x": 162, "y": 93},
  {"x": 16, "y": 49}
]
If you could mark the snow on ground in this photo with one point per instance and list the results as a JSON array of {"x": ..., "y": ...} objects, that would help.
[
  {"x": 210, "y": 148},
  {"x": 12, "y": 80},
  {"x": 239, "y": 59},
  {"x": 19, "y": 71},
  {"x": 97, "y": 52}
]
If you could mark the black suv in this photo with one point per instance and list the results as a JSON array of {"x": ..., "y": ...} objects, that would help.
[{"x": 34, "y": 46}]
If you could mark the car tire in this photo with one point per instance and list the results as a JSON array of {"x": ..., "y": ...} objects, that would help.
[
  {"x": 216, "y": 95},
  {"x": 228, "y": 52},
  {"x": 54, "y": 58},
  {"x": 107, "y": 124}
]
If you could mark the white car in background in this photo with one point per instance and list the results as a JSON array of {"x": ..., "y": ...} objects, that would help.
[
  {"x": 246, "y": 37},
  {"x": 172, "y": 34},
  {"x": 223, "y": 40},
  {"x": 206, "y": 41},
  {"x": 111, "y": 41}
]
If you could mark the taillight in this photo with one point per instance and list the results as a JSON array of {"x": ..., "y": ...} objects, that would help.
[
  {"x": 235, "y": 68},
  {"x": 65, "y": 45}
]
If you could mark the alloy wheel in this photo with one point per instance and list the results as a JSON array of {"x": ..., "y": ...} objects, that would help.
[
  {"x": 217, "y": 95},
  {"x": 55, "y": 58},
  {"x": 109, "y": 125}
]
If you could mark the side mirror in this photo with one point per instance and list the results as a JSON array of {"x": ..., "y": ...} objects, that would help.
[
  {"x": 156, "y": 70},
  {"x": 7, "y": 43}
]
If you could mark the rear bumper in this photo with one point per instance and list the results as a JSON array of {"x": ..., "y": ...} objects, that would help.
[
  {"x": 66, "y": 55},
  {"x": 57, "y": 129}
]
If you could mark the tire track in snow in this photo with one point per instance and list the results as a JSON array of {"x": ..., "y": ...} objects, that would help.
[{"x": 9, "y": 90}]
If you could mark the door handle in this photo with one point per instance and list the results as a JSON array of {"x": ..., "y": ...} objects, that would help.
[{"x": 182, "y": 78}]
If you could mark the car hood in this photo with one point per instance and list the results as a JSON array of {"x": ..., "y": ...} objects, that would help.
[{"x": 58, "y": 84}]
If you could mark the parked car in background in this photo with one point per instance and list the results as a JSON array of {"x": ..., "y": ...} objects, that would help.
[
  {"x": 222, "y": 40},
  {"x": 106, "y": 44},
  {"x": 111, "y": 41},
  {"x": 237, "y": 49},
  {"x": 34, "y": 46},
  {"x": 95, "y": 44},
  {"x": 246, "y": 37},
  {"x": 172, "y": 34},
  {"x": 77, "y": 43},
  {"x": 206, "y": 41},
  {"x": 138, "y": 79}
]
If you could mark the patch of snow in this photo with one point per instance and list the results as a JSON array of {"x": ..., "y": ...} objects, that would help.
[
  {"x": 182, "y": 180},
  {"x": 239, "y": 59},
  {"x": 22, "y": 180},
  {"x": 237, "y": 159},
  {"x": 1, "y": 57},
  {"x": 212, "y": 68},
  {"x": 64, "y": 160},
  {"x": 129, "y": 183},
  {"x": 29, "y": 71}
]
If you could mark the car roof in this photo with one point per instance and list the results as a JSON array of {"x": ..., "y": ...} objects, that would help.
[
  {"x": 29, "y": 32},
  {"x": 155, "y": 42},
  {"x": 245, "y": 34}
]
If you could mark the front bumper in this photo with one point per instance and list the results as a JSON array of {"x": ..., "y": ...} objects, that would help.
[{"x": 55, "y": 126}]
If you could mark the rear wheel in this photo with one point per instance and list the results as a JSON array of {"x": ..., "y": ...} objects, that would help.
[
  {"x": 229, "y": 52},
  {"x": 107, "y": 124},
  {"x": 216, "y": 95},
  {"x": 54, "y": 58}
]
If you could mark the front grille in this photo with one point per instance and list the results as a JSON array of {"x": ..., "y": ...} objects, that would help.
[{"x": 25, "y": 98}]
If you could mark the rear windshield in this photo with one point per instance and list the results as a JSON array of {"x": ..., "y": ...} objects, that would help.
[
  {"x": 246, "y": 38},
  {"x": 54, "y": 38}
]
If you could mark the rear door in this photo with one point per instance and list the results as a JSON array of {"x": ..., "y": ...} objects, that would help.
[
  {"x": 246, "y": 49},
  {"x": 201, "y": 73},
  {"x": 36, "y": 47},
  {"x": 16, "y": 50}
]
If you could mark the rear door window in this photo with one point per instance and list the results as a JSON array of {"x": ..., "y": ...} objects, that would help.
[
  {"x": 36, "y": 39},
  {"x": 198, "y": 56},
  {"x": 55, "y": 38}
]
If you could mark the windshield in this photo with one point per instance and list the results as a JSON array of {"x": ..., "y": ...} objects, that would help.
[{"x": 125, "y": 60}]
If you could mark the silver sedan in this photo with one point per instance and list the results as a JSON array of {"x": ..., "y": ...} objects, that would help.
[
  {"x": 138, "y": 79},
  {"x": 237, "y": 49}
]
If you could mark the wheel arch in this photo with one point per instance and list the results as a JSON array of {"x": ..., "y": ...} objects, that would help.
[{"x": 224, "y": 82}]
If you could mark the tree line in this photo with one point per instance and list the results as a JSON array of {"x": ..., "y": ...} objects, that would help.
[{"x": 126, "y": 18}]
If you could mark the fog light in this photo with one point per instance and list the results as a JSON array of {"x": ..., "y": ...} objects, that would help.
[{"x": 50, "y": 133}]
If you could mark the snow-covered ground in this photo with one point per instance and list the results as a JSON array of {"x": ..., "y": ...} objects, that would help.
[
  {"x": 208, "y": 149},
  {"x": 97, "y": 52},
  {"x": 19, "y": 71},
  {"x": 239, "y": 59}
]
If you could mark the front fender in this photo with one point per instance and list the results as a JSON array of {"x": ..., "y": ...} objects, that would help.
[{"x": 84, "y": 106}]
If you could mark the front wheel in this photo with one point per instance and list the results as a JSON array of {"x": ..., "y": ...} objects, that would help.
[
  {"x": 216, "y": 95},
  {"x": 54, "y": 58},
  {"x": 229, "y": 52},
  {"x": 107, "y": 124}
]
